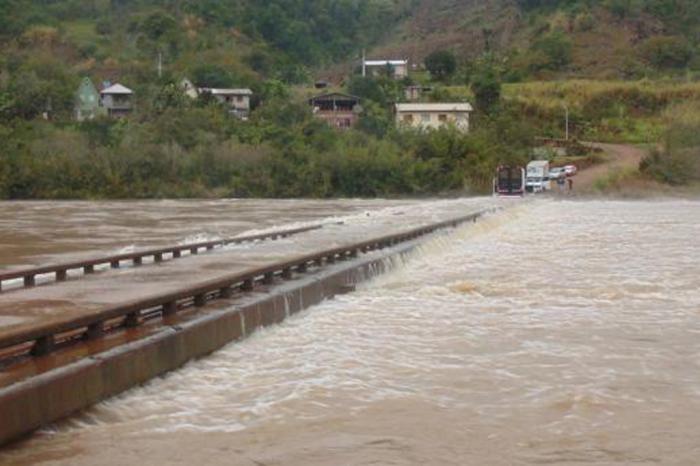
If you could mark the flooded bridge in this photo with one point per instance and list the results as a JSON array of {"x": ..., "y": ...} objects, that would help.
[
  {"x": 549, "y": 332},
  {"x": 73, "y": 333}
]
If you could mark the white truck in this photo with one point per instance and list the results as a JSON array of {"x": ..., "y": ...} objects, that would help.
[{"x": 537, "y": 176}]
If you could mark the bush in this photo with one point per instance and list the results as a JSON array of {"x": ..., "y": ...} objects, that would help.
[
  {"x": 665, "y": 52},
  {"x": 441, "y": 64},
  {"x": 487, "y": 91},
  {"x": 678, "y": 162},
  {"x": 555, "y": 49}
]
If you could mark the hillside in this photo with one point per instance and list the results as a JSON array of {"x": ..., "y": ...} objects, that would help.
[
  {"x": 514, "y": 60},
  {"x": 542, "y": 39},
  {"x": 240, "y": 42}
]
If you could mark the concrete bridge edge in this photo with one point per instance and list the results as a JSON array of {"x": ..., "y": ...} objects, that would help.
[{"x": 49, "y": 397}]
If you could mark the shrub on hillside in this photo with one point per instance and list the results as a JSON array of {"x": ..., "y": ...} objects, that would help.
[
  {"x": 487, "y": 90},
  {"x": 678, "y": 161},
  {"x": 555, "y": 48},
  {"x": 665, "y": 52},
  {"x": 442, "y": 64}
]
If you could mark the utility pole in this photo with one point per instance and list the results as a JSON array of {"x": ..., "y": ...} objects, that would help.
[
  {"x": 160, "y": 64},
  {"x": 364, "y": 67},
  {"x": 566, "y": 120}
]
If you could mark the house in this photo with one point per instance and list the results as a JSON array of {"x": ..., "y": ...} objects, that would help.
[
  {"x": 413, "y": 93},
  {"x": 336, "y": 109},
  {"x": 87, "y": 101},
  {"x": 397, "y": 68},
  {"x": 433, "y": 115},
  {"x": 237, "y": 100},
  {"x": 116, "y": 100}
]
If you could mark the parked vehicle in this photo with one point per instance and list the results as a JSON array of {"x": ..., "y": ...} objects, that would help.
[
  {"x": 556, "y": 173},
  {"x": 570, "y": 170},
  {"x": 509, "y": 181},
  {"x": 537, "y": 176}
]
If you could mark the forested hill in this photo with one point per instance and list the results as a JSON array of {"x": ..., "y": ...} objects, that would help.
[
  {"x": 274, "y": 37},
  {"x": 171, "y": 145},
  {"x": 556, "y": 38},
  {"x": 225, "y": 41}
]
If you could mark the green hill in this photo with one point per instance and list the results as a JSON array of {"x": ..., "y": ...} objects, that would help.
[
  {"x": 542, "y": 39},
  {"x": 174, "y": 146},
  {"x": 226, "y": 42}
]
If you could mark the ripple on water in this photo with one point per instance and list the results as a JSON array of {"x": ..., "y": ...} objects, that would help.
[{"x": 555, "y": 333}]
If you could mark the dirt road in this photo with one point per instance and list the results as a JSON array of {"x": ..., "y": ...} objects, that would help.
[{"x": 619, "y": 157}]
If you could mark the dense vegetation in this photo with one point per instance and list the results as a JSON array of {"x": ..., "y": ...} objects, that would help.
[
  {"x": 677, "y": 161},
  {"x": 663, "y": 37},
  {"x": 172, "y": 146},
  {"x": 283, "y": 151}
]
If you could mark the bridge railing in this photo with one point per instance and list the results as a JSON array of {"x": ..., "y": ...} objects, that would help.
[
  {"x": 43, "y": 338},
  {"x": 60, "y": 271}
]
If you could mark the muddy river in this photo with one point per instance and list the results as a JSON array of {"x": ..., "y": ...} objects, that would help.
[{"x": 554, "y": 332}]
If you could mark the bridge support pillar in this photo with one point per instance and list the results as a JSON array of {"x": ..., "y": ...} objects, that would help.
[
  {"x": 95, "y": 331},
  {"x": 169, "y": 309},
  {"x": 43, "y": 346},
  {"x": 132, "y": 320}
]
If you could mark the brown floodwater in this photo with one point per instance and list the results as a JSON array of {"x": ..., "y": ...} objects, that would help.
[
  {"x": 555, "y": 332},
  {"x": 33, "y": 233}
]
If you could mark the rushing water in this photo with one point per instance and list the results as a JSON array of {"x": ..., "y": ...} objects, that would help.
[
  {"x": 34, "y": 233},
  {"x": 551, "y": 333}
]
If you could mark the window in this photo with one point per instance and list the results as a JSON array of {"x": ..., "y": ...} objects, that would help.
[
  {"x": 408, "y": 118},
  {"x": 425, "y": 117},
  {"x": 442, "y": 118},
  {"x": 239, "y": 99}
]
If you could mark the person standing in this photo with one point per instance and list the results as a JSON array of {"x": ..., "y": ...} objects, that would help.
[{"x": 571, "y": 184}]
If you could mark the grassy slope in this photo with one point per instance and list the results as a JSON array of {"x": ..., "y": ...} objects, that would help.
[
  {"x": 604, "y": 49},
  {"x": 451, "y": 24}
]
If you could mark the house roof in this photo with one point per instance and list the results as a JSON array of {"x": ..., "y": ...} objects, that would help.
[
  {"x": 215, "y": 91},
  {"x": 334, "y": 96},
  {"x": 435, "y": 107},
  {"x": 385, "y": 62},
  {"x": 116, "y": 89}
]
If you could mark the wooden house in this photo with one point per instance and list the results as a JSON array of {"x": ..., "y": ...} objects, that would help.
[
  {"x": 117, "y": 100},
  {"x": 337, "y": 109}
]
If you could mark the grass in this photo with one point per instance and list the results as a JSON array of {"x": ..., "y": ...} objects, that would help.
[
  {"x": 578, "y": 92},
  {"x": 607, "y": 111}
]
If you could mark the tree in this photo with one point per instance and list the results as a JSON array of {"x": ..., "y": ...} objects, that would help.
[
  {"x": 170, "y": 96},
  {"x": 556, "y": 49},
  {"x": 667, "y": 52},
  {"x": 367, "y": 88},
  {"x": 212, "y": 75},
  {"x": 487, "y": 90},
  {"x": 441, "y": 64}
]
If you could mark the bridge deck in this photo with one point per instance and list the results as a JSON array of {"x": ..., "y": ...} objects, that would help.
[{"x": 23, "y": 309}]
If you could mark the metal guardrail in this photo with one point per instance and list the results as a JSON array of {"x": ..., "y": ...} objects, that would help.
[
  {"x": 43, "y": 339},
  {"x": 60, "y": 271}
]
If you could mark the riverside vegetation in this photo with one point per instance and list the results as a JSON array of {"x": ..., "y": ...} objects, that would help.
[{"x": 174, "y": 147}]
